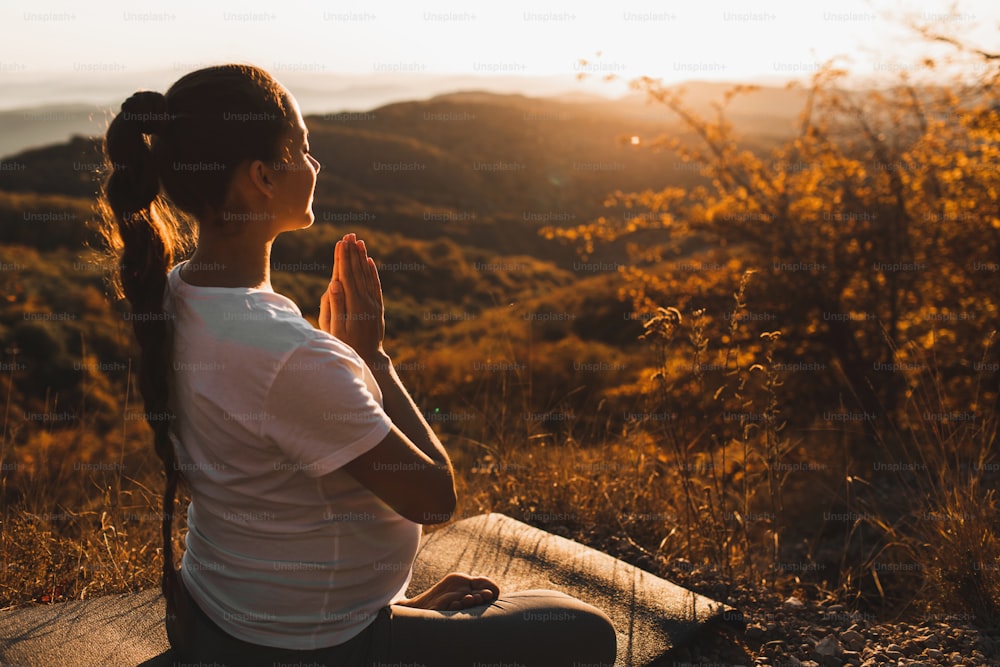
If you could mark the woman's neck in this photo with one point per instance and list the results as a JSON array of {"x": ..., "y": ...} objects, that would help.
[{"x": 231, "y": 262}]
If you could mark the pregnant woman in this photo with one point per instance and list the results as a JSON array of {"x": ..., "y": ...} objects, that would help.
[{"x": 309, "y": 466}]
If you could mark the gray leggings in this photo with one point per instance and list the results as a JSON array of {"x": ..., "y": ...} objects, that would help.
[{"x": 522, "y": 629}]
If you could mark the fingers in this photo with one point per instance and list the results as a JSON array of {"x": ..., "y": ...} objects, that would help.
[
  {"x": 356, "y": 308},
  {"x": 346, "y": 270},
  {"x": 338, "y": 306},
  {"x": 470, "y": 591},
  {"x": 359, "y": 267},
  {"x": 466, "y": 601},
  {"x": 455, "y": 592},
  {"x": 485, "y": 584},
  {"x": 353, "y": 267},
  {"x": 376, "y": 284},
  {"x": 325, "y": 323},
  {"x": 339, "y": 258}
]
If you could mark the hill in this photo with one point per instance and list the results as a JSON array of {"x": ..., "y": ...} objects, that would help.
[
  {"x": 483, "y": 169},
  {"x": 44, "y": 125}
]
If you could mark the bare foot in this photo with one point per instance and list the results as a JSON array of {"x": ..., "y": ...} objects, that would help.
[{"x": 454, "y": 592}]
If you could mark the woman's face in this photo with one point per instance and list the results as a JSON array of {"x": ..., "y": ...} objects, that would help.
[{"x": 296, "y": 177}]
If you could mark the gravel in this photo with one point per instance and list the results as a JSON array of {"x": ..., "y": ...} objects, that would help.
[{"x": 800, "y": 633}]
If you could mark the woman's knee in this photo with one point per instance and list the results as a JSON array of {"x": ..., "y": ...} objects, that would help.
[
  {"x": 575, "y": 621},
  {"x": 536, "y": 628},
  {"x": 595, "y": 628}
]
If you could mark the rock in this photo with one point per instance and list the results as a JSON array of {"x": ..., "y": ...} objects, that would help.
[
  {"x": 828, "y": 646},
  {"x": 793, "y": 603},
  {"x": 912, "y": 647},
  {"x": 933, "y": 653},
  {"x": 754, "y": 632},
  {"x": 852, "y": 639},
  {"x": 682, "y": 564},
  {"x": 851, "y": 657}
]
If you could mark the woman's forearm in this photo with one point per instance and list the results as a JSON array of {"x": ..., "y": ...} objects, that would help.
[{"x": 405, "y": 414}]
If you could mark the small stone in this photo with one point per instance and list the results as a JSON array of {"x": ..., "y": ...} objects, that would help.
[
  {"x": 851, "y": 657},
  {"x": 771, "y": 628},
  {"x": 755, "y": 632},
  {"x": 894, "y": 647},
  {"x": 933, "y": 653},
  {"x": 810, "y": 663},
  {"x": 852, "y": 640},
  {"x": 828, "y": 646},
  {"x": 793, "y": 603},
  {"x": 682, "y": 564}
]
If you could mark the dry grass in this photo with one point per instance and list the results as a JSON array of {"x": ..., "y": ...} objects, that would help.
[
  {"x": 714, "y": 501},
  {"x": 81, "y": 517},
  {"x": 945, "y": 519}
]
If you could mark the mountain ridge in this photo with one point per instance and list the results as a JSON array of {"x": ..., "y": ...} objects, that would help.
[{"x": 33, "y": 126}]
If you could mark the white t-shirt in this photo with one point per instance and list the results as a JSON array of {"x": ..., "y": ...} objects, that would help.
[{"x": 283, "y": 548}]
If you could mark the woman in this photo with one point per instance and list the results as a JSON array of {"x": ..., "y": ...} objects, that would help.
[{"x": 310, "y": 468}]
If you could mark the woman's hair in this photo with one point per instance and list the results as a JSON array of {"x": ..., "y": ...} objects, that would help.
[{"x": 170, "y": 159}]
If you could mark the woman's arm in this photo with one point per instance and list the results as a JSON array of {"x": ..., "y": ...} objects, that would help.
[
  {"x": 410, "y": 469},
  {"x": 424, "y": 488}
]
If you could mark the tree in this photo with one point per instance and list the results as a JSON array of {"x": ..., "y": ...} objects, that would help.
[{"x": 873, "y": 230}]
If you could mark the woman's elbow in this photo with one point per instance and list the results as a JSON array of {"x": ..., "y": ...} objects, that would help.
[{"x": 437, "y": 508}]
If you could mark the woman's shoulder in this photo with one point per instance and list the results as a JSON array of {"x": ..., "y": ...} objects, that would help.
[
  {"x": 300, "y": 337},
  {"x": 262, "y": 319}
]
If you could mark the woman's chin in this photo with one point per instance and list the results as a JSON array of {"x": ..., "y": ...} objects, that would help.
[{"x": 307, "y": 221}]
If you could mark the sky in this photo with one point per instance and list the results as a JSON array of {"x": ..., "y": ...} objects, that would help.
[{"x": 66, "y": 50}]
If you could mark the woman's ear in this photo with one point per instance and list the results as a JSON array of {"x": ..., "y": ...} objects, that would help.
[{"x": 261, "y": 177}]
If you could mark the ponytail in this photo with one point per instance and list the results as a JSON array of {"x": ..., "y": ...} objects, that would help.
[{"x": 147, "y": 238}]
